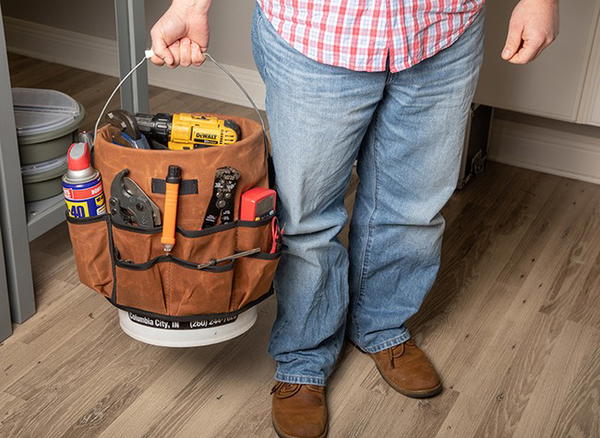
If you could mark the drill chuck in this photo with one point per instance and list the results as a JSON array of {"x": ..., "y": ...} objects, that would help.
[{"x": 158, "y": 125}]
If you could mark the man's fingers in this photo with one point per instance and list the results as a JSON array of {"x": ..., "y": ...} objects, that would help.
[
  {"x": 528, "y": 52},
  {"x": 182, "y": 52},
  {"x": 185, "y": 52},
  {"x": 157, "y": 61},
  {"x": 197, "y": 55},
  {"x": 162, "y": 55},
  {"x": 513, "y": 41},
  {"x": 174, "y": 51}
]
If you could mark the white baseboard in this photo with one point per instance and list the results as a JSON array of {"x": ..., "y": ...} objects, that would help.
[
  {"x": 556, "y": 151},
  {"x": 100, "y": 55}
]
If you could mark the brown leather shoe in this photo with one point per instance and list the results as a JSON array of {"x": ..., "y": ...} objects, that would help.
[
  {"x": 407, "y": 369},
  {"x": 299, "y": 411}
]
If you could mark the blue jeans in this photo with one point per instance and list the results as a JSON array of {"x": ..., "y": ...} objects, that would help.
[{"x": 406, "y": 130}]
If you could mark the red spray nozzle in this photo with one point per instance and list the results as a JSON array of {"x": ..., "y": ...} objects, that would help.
[{"x": 78, "y": 156}]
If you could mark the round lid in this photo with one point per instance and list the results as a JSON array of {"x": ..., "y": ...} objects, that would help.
[
  {"x": 41, "y": 111},
  {"x": 44, "y": 170}
]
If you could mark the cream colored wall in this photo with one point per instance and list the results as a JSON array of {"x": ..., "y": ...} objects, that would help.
[
  {"x": 85, "y": 16},
  {"x": 229, "y": 21}
]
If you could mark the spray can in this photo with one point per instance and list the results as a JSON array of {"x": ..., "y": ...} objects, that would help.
[{"x": 82, "y": 184}]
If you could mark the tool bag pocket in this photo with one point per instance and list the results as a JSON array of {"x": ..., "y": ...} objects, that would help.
[
  {"x": 141, "y": 286},
  {"x": 200, "y": 246},
  {"x": 91, "y": 241},
  {"x": 252, "y": 278},
  {"x": 150, "y": 281},
  {"x": 252, "y": 235},
  {"x": 169, "y": 286},
  {"x": 254, "y": 273},
  {"x": 200, "y": 291},
  {"x": 136, "y": 246}
]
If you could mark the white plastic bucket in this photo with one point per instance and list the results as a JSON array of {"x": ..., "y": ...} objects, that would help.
[{"x": 165, "y": 333}]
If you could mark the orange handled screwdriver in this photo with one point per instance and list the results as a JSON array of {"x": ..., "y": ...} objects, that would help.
[{"x": 170, "y": 213}]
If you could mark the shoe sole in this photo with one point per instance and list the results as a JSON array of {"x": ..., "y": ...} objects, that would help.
[
  {"x": 423, "y": 393},
  {"x": 281, "y": 435}
]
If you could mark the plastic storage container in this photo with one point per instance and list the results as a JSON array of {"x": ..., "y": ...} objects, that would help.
[
  {"x": 46, "y": 122},
  {"x": 42, "y": 180}
]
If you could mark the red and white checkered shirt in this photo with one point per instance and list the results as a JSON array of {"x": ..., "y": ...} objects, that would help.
[{"x": 362, "y": 34}]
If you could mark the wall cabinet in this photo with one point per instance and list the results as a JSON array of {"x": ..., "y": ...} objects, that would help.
[{"x": 563, "y": 83}]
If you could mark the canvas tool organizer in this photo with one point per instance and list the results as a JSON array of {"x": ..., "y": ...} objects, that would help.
[{"x": 127, "y": 264}]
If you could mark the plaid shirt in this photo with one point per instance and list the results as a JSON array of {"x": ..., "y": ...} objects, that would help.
[{"x": 363, "y": 35}]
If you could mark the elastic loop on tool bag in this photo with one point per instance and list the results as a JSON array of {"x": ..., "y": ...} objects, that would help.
[
  {"x": 186, "y": 186},
  {"x": 149, "y": 54}
]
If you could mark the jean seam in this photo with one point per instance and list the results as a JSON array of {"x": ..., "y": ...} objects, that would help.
[
  {"x": 396, "y": 340},
  {"x": 299, "y": 379},
  {"x": 366, "y": 252},
  {"x": 301, "y": 376}
]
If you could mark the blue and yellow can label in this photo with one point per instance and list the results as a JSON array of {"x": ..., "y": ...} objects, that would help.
[{"x": 85, "y": 199}]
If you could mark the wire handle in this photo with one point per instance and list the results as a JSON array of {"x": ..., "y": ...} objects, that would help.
[
  {"x": 148, "y": 54},
  {"x": 243, "y": 90}
]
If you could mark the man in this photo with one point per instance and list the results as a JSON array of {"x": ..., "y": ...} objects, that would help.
[{"x": 387, "y": 83}]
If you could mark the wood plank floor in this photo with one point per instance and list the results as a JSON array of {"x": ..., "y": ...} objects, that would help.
[{"x": 513, "y": 324}]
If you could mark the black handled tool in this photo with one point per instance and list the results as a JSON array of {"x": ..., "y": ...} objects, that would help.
[{"x": 222, "y": 201}]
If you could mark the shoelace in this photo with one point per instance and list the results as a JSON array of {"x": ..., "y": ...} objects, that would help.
[
  {"x": 282, "y": 385},
  {"x": 400, "y": 347}
]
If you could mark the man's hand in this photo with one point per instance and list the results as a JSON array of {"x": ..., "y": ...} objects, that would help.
[
  {"x": 180, "y": 36},
  {"x": 533, "y": 26}
]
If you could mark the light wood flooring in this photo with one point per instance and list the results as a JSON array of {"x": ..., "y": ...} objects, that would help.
[{"x": 513, "y": 324}]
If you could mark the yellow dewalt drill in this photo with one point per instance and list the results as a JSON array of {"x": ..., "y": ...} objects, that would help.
[{"x": 183, "y": 131}]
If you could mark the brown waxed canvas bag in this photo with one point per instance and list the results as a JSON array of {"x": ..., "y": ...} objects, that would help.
[{"x": 127, "y": 264}]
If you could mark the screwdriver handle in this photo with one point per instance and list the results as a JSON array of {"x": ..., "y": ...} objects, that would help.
[{"x": 170, "y": 211}]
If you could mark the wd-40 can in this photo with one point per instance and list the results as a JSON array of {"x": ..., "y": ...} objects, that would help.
[{"x": 82, "y": 184}]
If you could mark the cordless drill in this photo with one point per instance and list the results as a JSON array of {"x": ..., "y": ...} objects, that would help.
[{"x": 183, "y": 131}]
